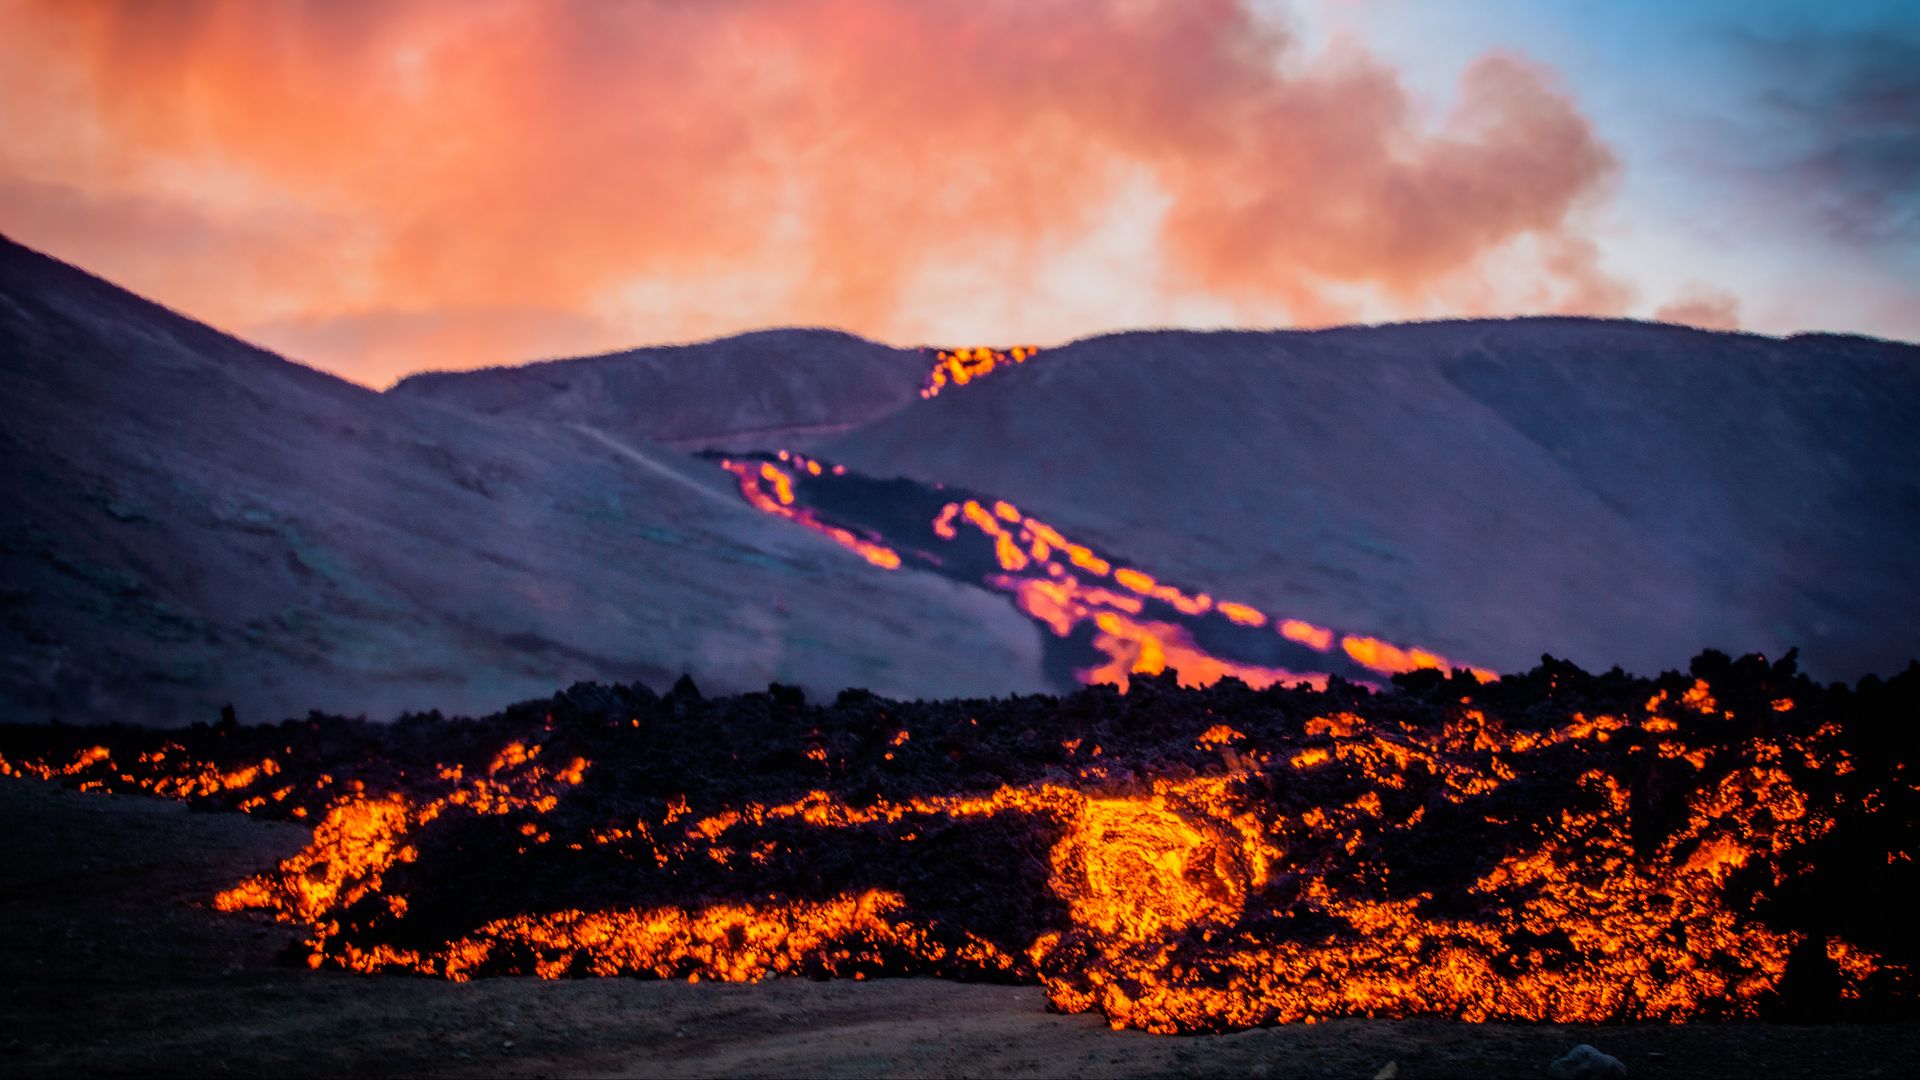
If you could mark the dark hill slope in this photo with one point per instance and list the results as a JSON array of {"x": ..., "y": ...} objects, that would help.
[
  {"x": 1616, "y": 492},
  {"x": 191, "y": 520},
  {"x": 773, "y": 385}
]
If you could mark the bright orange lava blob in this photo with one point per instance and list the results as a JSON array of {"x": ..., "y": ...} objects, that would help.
[{"x": 1134, "y": 869}]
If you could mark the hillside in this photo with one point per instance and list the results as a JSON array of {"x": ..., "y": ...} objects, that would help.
[
  {"x": 784, "y": 386},
  {"x": 1613, "y": 492},
  {"x": 194, "y": 521},
  {"x": 202, "y": 521}
]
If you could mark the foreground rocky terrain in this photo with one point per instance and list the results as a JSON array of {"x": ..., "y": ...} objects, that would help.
[
  {"x": 112, "y": 963},
  {"x": 1555, "y": 846},
  {"x": 140, "y": 934}
]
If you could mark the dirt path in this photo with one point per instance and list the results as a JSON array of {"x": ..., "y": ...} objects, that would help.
[
  {"x": 631, "y": 454},
  {"x": 111, "y": 963}
]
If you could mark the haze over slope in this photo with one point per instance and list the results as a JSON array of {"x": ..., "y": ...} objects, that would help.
[
  {"x": 193, "y": 521},
  {"x": 1609, "y": 491},
  {"x": 787, "y": 386},
  {"x": 200, "y": 521}
]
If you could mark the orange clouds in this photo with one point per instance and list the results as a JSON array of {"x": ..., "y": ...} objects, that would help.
[{"x": 444, "y": 180}]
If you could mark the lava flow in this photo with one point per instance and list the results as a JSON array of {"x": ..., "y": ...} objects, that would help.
[
  {"x": 1554, "y": 846},
  {"x": 1112, "y": 621},
  {"x": 958, "y": 367},
  {"x": 776, "y": 498}
]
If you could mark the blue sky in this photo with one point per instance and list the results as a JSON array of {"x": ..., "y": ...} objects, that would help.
[{"x": 1764, "y": 145}]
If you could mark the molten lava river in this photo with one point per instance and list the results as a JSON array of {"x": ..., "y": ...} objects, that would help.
[
  {"x": 1552, "y": 846},
  {"x": 1108, "y": 621}
]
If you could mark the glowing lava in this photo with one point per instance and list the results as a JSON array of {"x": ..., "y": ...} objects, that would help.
[
  {"x": 1136, "y": 623},
  {"x": 780, "y": 504},
  {"x": 1557, "y": 847},
  {"x": 958, "y": 367}
]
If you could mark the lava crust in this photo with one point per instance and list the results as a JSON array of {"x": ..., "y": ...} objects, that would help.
[{"x": 1734, "y": 841}]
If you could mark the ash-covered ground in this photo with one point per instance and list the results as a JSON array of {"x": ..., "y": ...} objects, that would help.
[{"x": 1735, "y": 841}]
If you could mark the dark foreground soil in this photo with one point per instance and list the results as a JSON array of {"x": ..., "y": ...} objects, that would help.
[{"x": 110, "y": 962}]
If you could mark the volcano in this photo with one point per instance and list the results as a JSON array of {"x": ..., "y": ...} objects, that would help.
[
  {"x": 1178, "y": 675},
  {"x": 1626, "y": 491},
  {"x": 209, "y": 523},
  {"x": 194, "y": 522}
]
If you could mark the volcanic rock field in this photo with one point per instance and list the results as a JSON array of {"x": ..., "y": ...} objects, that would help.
[
  {"x": 1204, "y": 680},
  {"x": 1555, "y": 846}
]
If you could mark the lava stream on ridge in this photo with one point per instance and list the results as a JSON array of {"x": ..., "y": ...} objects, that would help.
[
  {"x": 1109, "y": 621},
  {"x": 958, "y": 367}
]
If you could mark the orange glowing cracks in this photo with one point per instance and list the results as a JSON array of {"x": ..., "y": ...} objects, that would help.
[
  {"x": 1132, "y": 644},
  {"x": 1314, "y": 637},
  {"x": 1052, "y": 579},
  {"x": 943, "y": 524},
  {"x": 1219, "y": 735},
  {"x": 167, "y": 772},
  {"x": 1201, "y": 902},
  {"x": 1242, "y": 614},
  {"x": 1171, "y": 931},
  {"x": 1134, "y": 870},
  {"x": 1377, "y": 655},
  {"x": 781, "y": 482},
  {"x": 780, "y": 504},
  {"x": 958, "y": 367},
  {"x": 722, "y": 942},
  {"x": 357, "y": 842},
  {"x": 361, "y": 838},
  {"x": 1146, "y": 647},
  {"x": 82, "y": 761}
]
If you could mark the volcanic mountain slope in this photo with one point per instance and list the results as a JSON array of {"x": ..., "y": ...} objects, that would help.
[
  {"x": 1617, "y": 492},
  {"x": 193, "y": 521},
  {"x": 773, "y": 386}
]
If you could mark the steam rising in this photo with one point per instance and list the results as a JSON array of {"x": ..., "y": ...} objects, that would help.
[{"x": 493, "y": 180}]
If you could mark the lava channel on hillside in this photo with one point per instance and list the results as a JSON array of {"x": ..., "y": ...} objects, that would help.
[
  {"x": 1107, "y": 621},
  {"x": 958, "y": 367},
  {"x": 1554, "y": 846}
]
